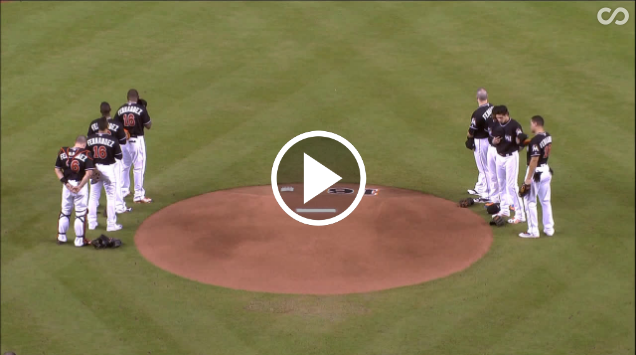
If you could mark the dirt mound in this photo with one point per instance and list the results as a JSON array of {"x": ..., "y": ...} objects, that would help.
[{"x": 241, "y": 239}]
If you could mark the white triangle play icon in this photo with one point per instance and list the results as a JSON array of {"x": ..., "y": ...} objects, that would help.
[{"x": 317, "y": 178}]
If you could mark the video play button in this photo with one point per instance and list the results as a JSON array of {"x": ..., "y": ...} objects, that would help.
[
  {"x": 327, "y": 159},
  {"x": 317, "y": 178}
]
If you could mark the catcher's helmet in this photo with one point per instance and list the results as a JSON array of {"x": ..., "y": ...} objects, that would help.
[{"x": 492, "y": 208}]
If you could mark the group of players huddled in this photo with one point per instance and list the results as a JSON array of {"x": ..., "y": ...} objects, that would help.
[
  {"x": 496, "y": 139},
  {"x": 104, "y": 157}
]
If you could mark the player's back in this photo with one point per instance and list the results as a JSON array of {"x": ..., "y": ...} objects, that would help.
[
  {"x": 74, "y": 162},
  {"x": 479, "y": 121},
  {"x": 104, "y": 147},
  {"x": 116, "y": 129},
  {"x": 540, "y": 145},
  {"x": 133, "y": 117}
]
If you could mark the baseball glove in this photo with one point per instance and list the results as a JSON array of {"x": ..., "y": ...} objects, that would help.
[
  {"x": 470, "y": 143},
  {"x": 524, "y": 190},
  {"x": 105, "y": 242},
  {"x": 142, "y": 102},
  {"x": 497, "y": 220},
  {"x": 100, "y": 243},
  {"x": 96, "y": 177},
  {"x": 467, "y": 202}
]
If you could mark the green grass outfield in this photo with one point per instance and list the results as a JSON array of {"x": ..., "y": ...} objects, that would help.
[{"x": 230, "y": 83}]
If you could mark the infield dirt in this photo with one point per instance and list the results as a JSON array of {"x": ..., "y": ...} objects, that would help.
[{"x": 241, "y": 239}]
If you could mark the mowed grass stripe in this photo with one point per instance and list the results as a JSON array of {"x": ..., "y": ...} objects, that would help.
[
  {"x": 53, "y": 329},
  {"x": 279, "y": 113},
  {"x": 242, "y": 71},
  {"x": 42, "y": 162}
]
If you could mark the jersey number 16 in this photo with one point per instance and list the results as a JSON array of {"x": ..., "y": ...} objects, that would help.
[
  {"x": 99, "y": 151},
  {"x": 129, "y": 120}
]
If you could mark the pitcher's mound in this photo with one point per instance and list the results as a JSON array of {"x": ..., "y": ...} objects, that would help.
[{"x": 242, "y": 239}]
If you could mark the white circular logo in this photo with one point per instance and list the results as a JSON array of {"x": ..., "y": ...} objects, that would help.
[{"x": 345, "y": 213}]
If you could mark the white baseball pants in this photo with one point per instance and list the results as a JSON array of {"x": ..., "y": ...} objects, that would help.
[
  {"x": 107, "y": 179},
  {"x": 134, "y": 155},
  {"x": 481, "y": 157},
  {"x": 95, "y": 194},
  {"x": 72, "y": 200},
  {"x": 491, "y": 175},
  {"x": 541, "y": 189},
  {"x": 507, "y": 176}
]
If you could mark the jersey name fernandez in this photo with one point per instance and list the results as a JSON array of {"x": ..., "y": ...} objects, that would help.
[
  {"x": 540, "y": 146},
  {"x": 115, "y": 129},
  {"x": 74, "y": 162},
  {"x": 478, "y": 122},
  {"x": 104, "y": 147},
  {"x": 130, "y": 108},
  {"x": 133, "y": 117},
  {"x": 101, "y": 140}
]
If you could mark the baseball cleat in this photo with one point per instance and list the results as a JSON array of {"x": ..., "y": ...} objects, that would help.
[
  {"x": 528, "y": 235},
  {"x": 472, "y": 192},
  {"x": 143, "y": 200},
  {"x": 80, "y": 242},
  {"x": 125, "y": 210},
  {"x": 549, "y": 233},
  {"x": 114, "y": 228},
  {"x": 482, "y": 200},
  {"x": 61, "y": 238},
  {"x": 93, "y": 226},
  {"x": 516, "y": 220}
]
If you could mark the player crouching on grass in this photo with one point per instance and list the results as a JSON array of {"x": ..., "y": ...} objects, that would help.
[{"x": 74, "y": 167}]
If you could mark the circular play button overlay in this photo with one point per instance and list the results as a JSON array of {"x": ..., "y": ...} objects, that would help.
[{"x": 323, "y": 191}]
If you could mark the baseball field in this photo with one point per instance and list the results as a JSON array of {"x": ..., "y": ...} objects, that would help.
[{"x": 228, "y": 84}]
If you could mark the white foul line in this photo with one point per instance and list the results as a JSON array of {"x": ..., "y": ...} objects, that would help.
[{"x": 315, "y": 210}]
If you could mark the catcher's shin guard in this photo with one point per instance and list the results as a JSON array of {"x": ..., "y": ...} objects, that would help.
[
  {"x": 81, "y": 225},
  {"x": 63, "y": 223}
]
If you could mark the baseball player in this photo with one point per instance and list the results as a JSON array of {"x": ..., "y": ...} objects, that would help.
[
  {"x": 105, "y": 149},
  {"x": 133, "y": 116},
  {"x": 507, "y": 138},
  {"x": 496, "y": 193},
  {"x": 118, "y": 132},
  {"x": 477, "y": 141},
  {"x": 538, "y": 177},
  {"x": 74, "y": 167}
]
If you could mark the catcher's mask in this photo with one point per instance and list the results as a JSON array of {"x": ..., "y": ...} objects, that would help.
[{"x": 492, "y": 208}]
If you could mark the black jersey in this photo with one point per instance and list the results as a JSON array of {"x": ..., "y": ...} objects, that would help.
[
  {"x": 133, "y": 117},
  {"x": 508, "y": 133},
  {"x": 491, "y": 123},
  {"x": 115, "y": 129},
  {"x": 478, "y": 127},
  {"x": 540, "y": 146},
  {"x": 104, "y": 147},
  {"x": 74, "y": 162}
]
